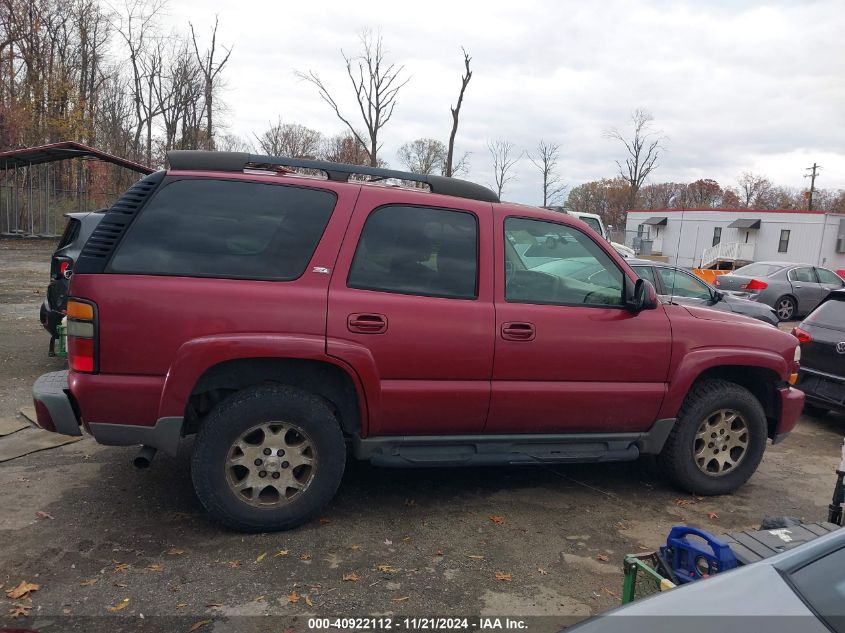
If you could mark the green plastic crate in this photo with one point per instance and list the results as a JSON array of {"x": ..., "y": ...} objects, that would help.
[{"x": 643, "y": 577}]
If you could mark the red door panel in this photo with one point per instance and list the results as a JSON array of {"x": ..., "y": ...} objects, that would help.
[
  {"x": 577, "y": 368},
  {"x": 433, "y": 355}
]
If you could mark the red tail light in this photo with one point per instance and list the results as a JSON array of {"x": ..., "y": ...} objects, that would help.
[
  {"x": 82, "y": 335},
  {"x": 63, "y": 269},
  {"x": 802, "y": 335},
  {"x": 755, "y": 284},
  {"x": 716, "y": 282}
]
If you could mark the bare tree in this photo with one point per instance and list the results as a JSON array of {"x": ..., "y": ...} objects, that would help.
[
  {"x": 456, "y": 112},
  {"x": 211, "y": 71},
  {"x": 290, "y": 139},
  {"x": 503, "y": 162},
  {"x": 229, "y": 142},
  {"x": 345, "y": 148},
  {"x": 376, "y": 83},
  {"x": 643, "y": 149},
  {"x": 753, "y": 188},
  {"x": 423, "y": 156},
  {"x": 546, "y": 162}
]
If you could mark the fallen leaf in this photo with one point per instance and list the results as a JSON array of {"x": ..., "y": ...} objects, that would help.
[
  {"x": 181, "y": 516},
  {"x": 293, "y": 597},
  {"x": 66, "y": 611},
  {"x": 261, "y": 557},
  {"x": 498, "y": 520},
  {"x": 120, "y": 567},
  {"x": 20, "y": 610},
  {"x": 305, "y": 557},
  {"x": 325, "y": 520},
  {"x": 684, "y": 502},
  {"x": 214, "y": 605},
  {"x": 602, "y": 558},
  {"x": 609, "y": 592},
  {"x": 156, "y": 567},
  {"x": 44, "y": 515},
  {"x": 407, "y": 540},
  {"x": 386, "y": 569},
  {"x": 501, "y": 575},
  {"x": 176, "y": 552},
  {"x": 89, "y": 582},
  {"x": 198, "y": 625},
  {"x": 260, "y": 598},
  {"x": 475, "y": 556},
  {"x": 351, "y": 577},
  {"x": 387, "y": 541},
  {"x": 120, "y": 584},
  {"x": 308, "y": 601},
  {"x": 22, "y": 590},
  {"x": 355, "y": 547},
  {"x": 402, "y": 599},
  {"x": 712, "y": 516},
  {"x": 234, "y": 564},
  {"x": 181, "y": 605},
  {"x": 119, "y": 606},
  {"x": 439, "y": 552},
  {"x": 281, "y": 552},
  {"x": 542, "y": 572}
]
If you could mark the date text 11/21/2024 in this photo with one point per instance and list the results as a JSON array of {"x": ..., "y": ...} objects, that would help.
[{"x": 418, "y": 624}]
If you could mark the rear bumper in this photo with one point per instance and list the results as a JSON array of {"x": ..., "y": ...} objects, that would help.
[
  {"x": 791, "y": 404},
  {"x": 822, "y": 389},
  {"x": 53, "y": 407}
]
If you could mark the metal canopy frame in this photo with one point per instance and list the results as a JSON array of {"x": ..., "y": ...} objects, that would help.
[
  {"x": 28, "y": 156},
  {"x": 191, "y": 160}
]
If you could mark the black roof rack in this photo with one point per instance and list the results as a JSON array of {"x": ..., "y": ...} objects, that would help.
[{"x": 238, "y": 161}]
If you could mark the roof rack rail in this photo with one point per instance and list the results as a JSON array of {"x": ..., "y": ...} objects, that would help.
[{"x": 201, "y": 160}]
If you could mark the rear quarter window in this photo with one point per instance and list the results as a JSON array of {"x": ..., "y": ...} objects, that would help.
[
  {"x": 831, "y": 314},
  {"x": 228, "y": 229},
  {"x": 71, "y": 232}
]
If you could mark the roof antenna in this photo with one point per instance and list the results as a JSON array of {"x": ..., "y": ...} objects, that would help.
[{"x": 678, "y": 248}]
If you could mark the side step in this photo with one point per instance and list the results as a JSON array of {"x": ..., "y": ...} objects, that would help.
[{"x": 493, "y": 450}]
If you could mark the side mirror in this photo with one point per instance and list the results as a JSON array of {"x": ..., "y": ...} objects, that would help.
[
  {"x": 718, "y": 295},
  {"x": 644, "y": 297}
]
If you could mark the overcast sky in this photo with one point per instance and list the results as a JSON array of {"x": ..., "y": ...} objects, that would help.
[{"x": 733, "y": 85}]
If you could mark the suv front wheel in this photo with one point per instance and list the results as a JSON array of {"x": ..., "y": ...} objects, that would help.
[
  {"x": 268, "y": 458},
  {"x": 718, "y": 441}
]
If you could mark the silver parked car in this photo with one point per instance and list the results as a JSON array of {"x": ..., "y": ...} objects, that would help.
[{"x": 791, "y": 289}]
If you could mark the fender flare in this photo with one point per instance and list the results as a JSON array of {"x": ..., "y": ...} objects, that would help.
[
  {"x": 197, "y": 356},
  {"x": 696, "y": 362}
]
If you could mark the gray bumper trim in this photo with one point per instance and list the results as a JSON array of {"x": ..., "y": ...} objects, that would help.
[
  {"x": 164, "y": 436},
  {"x": 51, "y": 391}
]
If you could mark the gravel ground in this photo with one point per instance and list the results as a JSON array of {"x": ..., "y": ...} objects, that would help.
[{"x": 540, "y": 543}]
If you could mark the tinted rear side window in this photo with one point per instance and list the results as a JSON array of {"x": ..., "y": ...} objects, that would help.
[
  {"x": 70, "y": 234},
  {"x": 230, "y": 229}
]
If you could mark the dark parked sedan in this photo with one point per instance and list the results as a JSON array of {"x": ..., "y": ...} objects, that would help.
[
  {"x": 822, "y": 337},
  {"x": 79, "y": 227},
  {"x": 687, "y": 289}
]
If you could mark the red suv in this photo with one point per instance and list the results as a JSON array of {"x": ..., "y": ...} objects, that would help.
[{"x": 285, "y": 318}]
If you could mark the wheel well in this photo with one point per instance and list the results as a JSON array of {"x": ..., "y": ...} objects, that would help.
[
  {"x": 328, "y": 381},
  {"x": 758, "y": 380}
]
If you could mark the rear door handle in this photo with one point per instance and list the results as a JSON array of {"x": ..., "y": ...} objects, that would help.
[
  {"x": 367, "y": 323},
  {"x": 518, "y": 331}
]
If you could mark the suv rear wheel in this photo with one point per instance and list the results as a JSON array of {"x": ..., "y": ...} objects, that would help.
[
  {"x": 718, "y": 440},
  {"x": 268, "y": 458}
]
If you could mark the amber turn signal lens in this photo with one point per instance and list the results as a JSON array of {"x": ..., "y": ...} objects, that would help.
[
  {"x": 78, "y": 310},
  {"x": 793, "y": 378}
]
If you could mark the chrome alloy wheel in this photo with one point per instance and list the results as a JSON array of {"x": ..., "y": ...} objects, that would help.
[
  {"x": 785, "y": 309},
  {"x": 721, "y": 442},
  {"x": 271, "y": 464}
]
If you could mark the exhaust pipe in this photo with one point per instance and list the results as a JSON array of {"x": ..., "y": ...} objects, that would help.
[{"x": 144, "y": 457}]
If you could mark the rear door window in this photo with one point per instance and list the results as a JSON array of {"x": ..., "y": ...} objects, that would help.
[
  {"x": 228, "y": 229},
  {"x": 803, "y": 275}
]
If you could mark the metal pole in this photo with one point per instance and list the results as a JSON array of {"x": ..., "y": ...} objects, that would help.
[{"x": 31, "y": 210}]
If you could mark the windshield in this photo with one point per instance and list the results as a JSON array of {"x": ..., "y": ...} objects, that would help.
[
  {"x": 593, "y": 223},
  {"x": 758, "y": 269}
]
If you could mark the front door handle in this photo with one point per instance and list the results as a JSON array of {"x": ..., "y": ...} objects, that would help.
[
  {"x": 518, "y": 331},
  {"x": 367, "y": 323}
]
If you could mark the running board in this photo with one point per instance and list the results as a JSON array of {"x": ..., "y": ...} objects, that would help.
[{"x": 494, "y": 450}]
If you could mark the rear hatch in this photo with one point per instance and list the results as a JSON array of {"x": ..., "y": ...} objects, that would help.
[{"x": 827, "y": 327}]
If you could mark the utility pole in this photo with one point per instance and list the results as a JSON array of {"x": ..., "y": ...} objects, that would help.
[{"x": 812, "y": 177}]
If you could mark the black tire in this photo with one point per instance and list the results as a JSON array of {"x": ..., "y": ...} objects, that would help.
[
  {"x": 815, "y": 410},
  {"x": 786, "y": 308},
  {"x": 705, "y": 399},
  {"x": 237, "y": 414}
]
